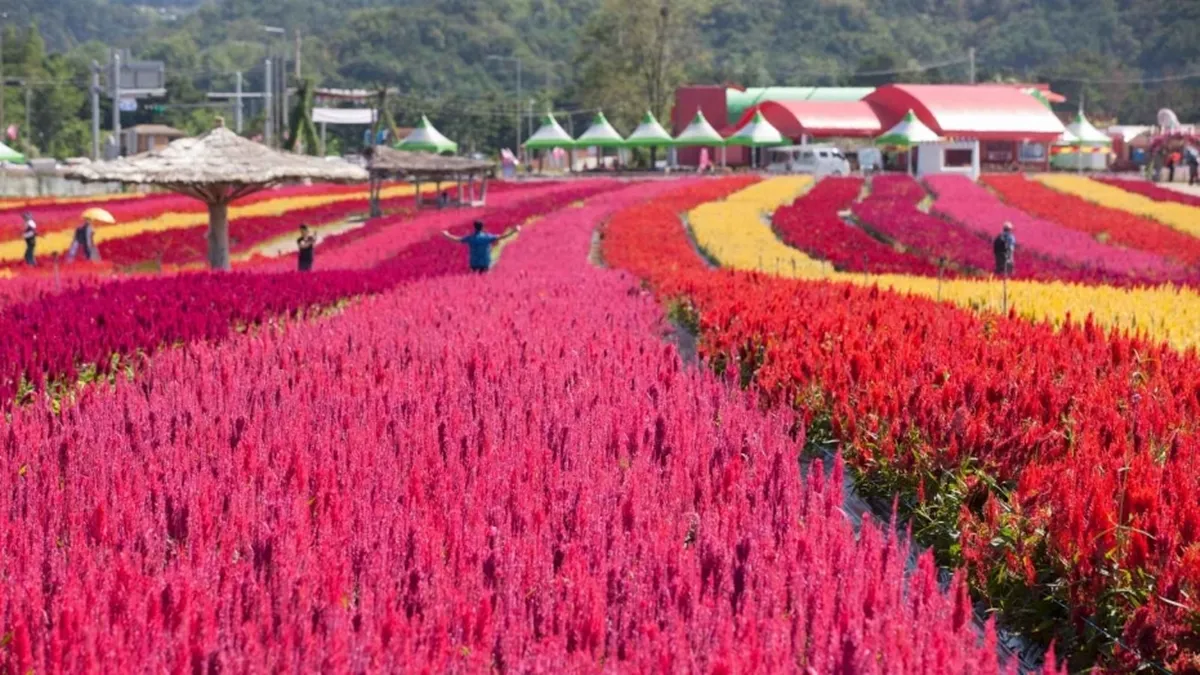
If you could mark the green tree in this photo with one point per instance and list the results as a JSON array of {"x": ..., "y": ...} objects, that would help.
[
  {"x": 635, "y": 53},
  {"x": 60, "y": 110}
]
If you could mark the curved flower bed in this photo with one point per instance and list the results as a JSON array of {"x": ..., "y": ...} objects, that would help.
[
  {"x": 891, "y": 210},
  {"x": 57, "y": 215},
  {"x": 86, "y": 327},
  {"x": 1178, "y": 216},
  {"x": 508, "y": 473},
  {"x": 1148, "y": 189},
  {"x": 1113, "y": 225},
  {"x": 812, "y": 224},
  {"x": 1057, "y": 467},
  {"x": 961, "y": 200}
]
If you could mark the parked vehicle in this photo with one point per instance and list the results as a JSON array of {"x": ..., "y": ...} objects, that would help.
[{"x": 819, "y": 160}]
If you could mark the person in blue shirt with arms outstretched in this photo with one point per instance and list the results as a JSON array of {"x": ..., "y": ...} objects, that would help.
[{"x": 479, "y": 245}]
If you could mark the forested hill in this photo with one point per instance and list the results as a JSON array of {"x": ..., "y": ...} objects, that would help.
[{"x": 589, "y": 53}]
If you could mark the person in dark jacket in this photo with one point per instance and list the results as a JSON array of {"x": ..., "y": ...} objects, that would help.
[
  {"x": 305, "y": 245},
  {"x": 479, "y": 245},
  {"x": 1004, "y": 247},
  {"x": 1193, "y": 162},
  {"x": 85, "y": 240},
  {"x": 29, "y": 234}
]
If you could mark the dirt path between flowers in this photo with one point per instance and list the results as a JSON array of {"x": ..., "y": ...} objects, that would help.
[
  {"x": 1193, "y": 190},
  {"x": 286, "y": 243}
]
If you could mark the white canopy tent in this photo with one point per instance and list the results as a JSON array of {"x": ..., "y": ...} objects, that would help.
[
  {"x": 1084, "y": 146},
  {"x": 907, "y": 133},
  {"x": 343, "y": 116}
]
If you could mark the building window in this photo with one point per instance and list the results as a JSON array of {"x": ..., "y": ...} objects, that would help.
[
  {"x": 999, "y": 152},
  {"x": 957, "y": 159},
  {"x": 1033, "y": 152}
]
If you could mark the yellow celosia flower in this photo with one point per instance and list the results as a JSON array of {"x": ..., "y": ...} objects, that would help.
[
  {"x": 1179, "y": 216},
  {"x": 738, "y": 235}
]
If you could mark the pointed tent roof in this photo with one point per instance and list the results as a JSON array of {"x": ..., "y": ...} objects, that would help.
[
  {"x": 1067, "y": 138},
  {"x": 549, "y": 136},
  {"x": 600, "y": 135},
  {"x": 699, "y": 132},
  {"x": 1085, "y": 133},
  {"x": 908, "y": 131},
  {"x": 649, "y": 134},
  {"x": 426, "y": 138},
  {"x": 758, "y": 133},
  {"x": 7, "y": 154},
  {"x": 1039, "y": 95}
]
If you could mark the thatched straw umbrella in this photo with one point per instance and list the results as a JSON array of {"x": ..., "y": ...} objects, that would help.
[{"x": 217, "y": 168}]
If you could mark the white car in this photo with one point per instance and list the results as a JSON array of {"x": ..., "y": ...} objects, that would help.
[{"x": 820, "y": 160}]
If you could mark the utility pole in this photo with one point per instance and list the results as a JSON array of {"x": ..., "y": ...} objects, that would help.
[
  {"x": 296, "y": 75},
  {"x": 268, "y": 104},
  {"x": 517, "y": 148},
  {"x": 282, "y": 79},
  {"x": 971, "y": 65},
  {"x": 3, "y": 16},
  {"x": 28, "y": 106},
  {"x": 237, "y": 103},
  {"x": 530, "y": 130},
  {"x": 517, "y": 59},
  {"x": 95, "y": 111},
  {"x": 116, "y": 99},
  {"x": 1079, "y": 145},
  {"x": 274, "y": 116}
]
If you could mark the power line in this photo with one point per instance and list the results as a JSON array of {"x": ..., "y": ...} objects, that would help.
[
  {"x": 1142, "y": 80},
  {"x": 915, "y": 68}
]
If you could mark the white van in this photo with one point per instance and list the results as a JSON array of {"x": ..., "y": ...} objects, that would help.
[{"x": 821, "y": 160}]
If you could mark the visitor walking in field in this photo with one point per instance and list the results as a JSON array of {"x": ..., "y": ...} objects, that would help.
[
  {"x": 1004, "y": 247},
  {"x": 479, "y": 245},
  {"x": 29, "y": 234},
  {"x": 85, "y": 240},
  {"x": 1193, "y": 162},
  {"x": 305, "y": 245}
]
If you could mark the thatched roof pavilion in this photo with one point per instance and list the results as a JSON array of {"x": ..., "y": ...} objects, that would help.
[
  {"x": 384, "y": 162},
  {"x": 217, "y": 168}
]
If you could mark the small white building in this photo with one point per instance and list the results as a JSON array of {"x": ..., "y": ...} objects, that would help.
[{"x": 948, "y": 157}]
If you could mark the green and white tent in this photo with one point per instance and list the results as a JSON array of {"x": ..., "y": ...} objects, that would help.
[
  {"x": 908, "y": 132},
  {"x": 1067, "y": 138},
  {"x": 600, "y": 135},
  {"x": 425, "y": 138},
  {"x": 1039, "y": 95},
  {"x": 649, "y": 134},
  {"x": 699, "y": 133},
  {"x": 549, "y": 136},
  {"x": 759, "y": 133},
  {"x": 7, "y": 154},
  {"x": 1082, "y": 132}
]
